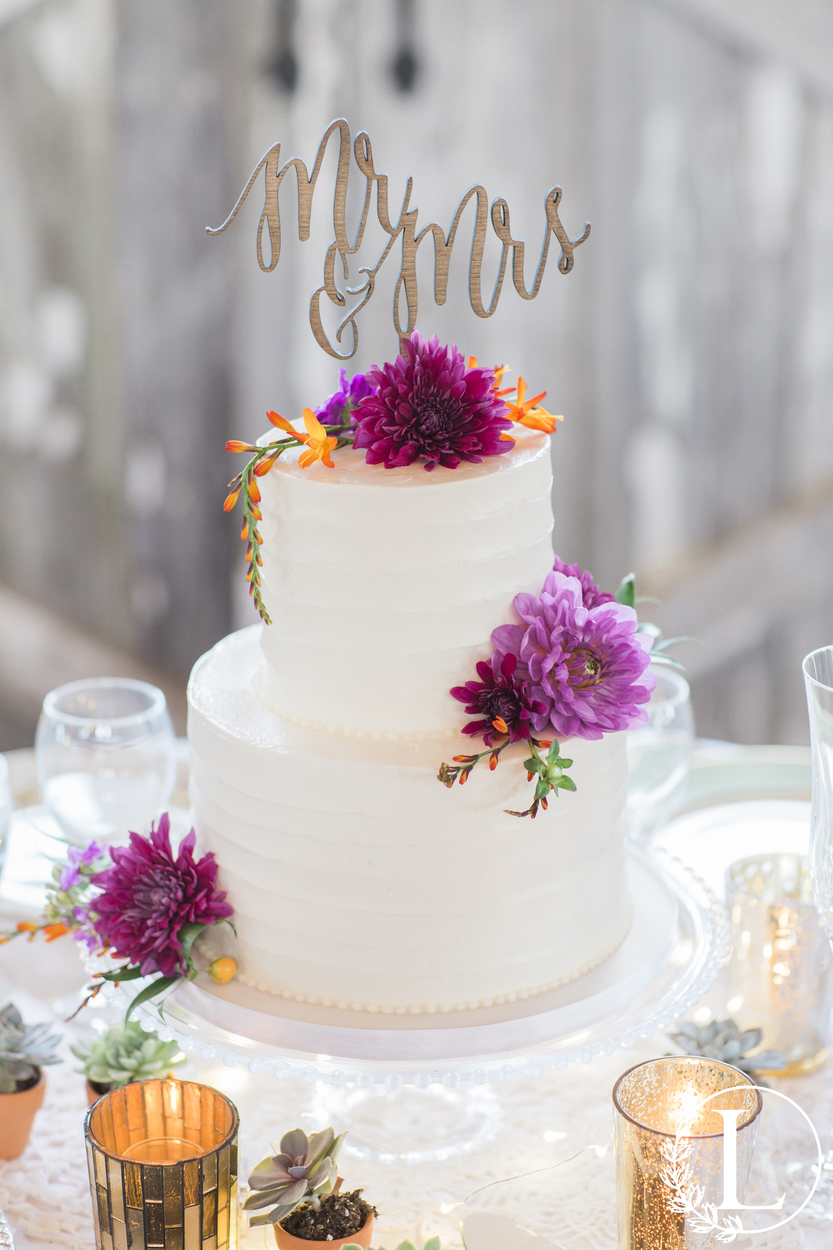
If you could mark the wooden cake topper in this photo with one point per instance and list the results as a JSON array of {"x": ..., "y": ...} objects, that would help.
[{"x": 405, "y": 227}]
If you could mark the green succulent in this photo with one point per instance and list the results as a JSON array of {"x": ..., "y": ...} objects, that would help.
[
  {"x": 23, "y": 1049},
  {"x": 125, "y": 1053},
  {"x": 302, "y": 1169},
  {"x": 723, "y": 1040}
]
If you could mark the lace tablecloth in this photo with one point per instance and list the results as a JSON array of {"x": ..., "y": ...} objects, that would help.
[{"x": 552, "y": 1134}]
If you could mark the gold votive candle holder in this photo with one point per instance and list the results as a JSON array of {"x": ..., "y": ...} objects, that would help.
[
  {"x": 780, "y": 974},
  {"x": 665, "y": 1129},
  {"x": 162, "y": 1158}
]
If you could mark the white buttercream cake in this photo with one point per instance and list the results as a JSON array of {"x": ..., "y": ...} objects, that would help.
[{"x": 358, "y": 880}]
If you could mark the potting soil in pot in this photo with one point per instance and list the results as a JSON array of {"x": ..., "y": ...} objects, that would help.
[{"x": 338, "y": 1215}]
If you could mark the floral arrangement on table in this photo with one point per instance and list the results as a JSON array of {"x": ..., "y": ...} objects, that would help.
[
  {"x": 138, "y": 904},
  {"x": 429, "y": 404}
]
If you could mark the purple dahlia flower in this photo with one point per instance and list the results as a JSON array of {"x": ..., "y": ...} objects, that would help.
[
  {"x": 590, "y": 592},
  {"x": 339, "y": 408},
  {"x": 499, "y": 693},
  {"x": 589, "y": 664},
  {"x": 147, "y": 896},
  {"x": 428, "y": 404}
]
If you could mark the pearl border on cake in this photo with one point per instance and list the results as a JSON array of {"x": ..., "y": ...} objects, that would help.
[
  {"x": 433, "y": 1008},
  {"x": 349, "y": 731}
]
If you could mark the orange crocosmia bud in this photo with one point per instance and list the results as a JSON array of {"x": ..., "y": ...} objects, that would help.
[
  {"x": 545, "y": 744},
  {"x": 281, "y": 423},
  {"x": 53, "y": 931},
  {"x": 26, "y": 926},
  {"x": 256, "y": 512},
  {"x": 231, "y": 500},
  {"x": 254, "y": 490},
  {"x": 493, "y": 762},
  {"x": 471, "y": 363},
  {"x": 500, "y": 725},
  {"x": 235, "y": 444},
  {"x": 263, "y": 467},
  {"x": 250, "y": 550},
  {"x": 464, "y": 776},
  {"x": 244, "y": 533}
]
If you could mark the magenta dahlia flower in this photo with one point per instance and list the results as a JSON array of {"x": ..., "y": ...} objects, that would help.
[
  {"x": 429, "y": 404},
  {"x": 590, "y": 592},
  {"x": 147, "y": 896},
  {"x": 339, "y": 409},
  {"x": 500, "y": 694},
  {"x": 589, "y": 664}
]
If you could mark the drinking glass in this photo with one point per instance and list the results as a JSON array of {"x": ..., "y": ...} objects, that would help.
[
  {"x": 818, "y": 682},
  {"x": 104, "y": 751},
  {"x": 659, "y": 754}
]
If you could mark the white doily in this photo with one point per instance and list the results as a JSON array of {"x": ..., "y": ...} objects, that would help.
[{"x": 555, "y": 1127}]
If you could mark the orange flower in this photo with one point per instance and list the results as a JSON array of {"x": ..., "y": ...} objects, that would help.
[
  {"x": 231, "y": 500},
  {"x": 528, "y": 412},
  {"x": 282, "y": 424},
  {"x": 234, "y": 444},
  {"x": 53, "y": 931},
  {"x": 319, "y": 445},
  {"x": 263, "y": 466}
]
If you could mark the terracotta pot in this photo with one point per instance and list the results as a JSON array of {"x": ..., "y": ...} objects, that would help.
[
  {"x": 286, "y": 1241},
  {"x": 93, "y": 1094},
  {"x": 17, "y": 1111}
]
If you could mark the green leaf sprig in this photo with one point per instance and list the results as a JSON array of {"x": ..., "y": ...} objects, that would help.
[{"x": 549, "y": 769}]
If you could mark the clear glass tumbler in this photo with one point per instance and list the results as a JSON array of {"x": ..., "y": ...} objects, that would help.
[
  {"x": 659, "y": 754},
  {"x": 105, "y": 755}
]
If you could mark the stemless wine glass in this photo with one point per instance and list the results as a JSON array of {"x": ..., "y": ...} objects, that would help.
[
  {"x": 105, "y": 758},
  {"x": 659, "y": 753}
]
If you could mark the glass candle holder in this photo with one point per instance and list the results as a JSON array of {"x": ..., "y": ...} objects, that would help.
[
  {"x": 669, "y": 1148},
  {"x": 105, "y": 756},
  {"x": 818, "y": 682},
  {"x": 780, "y": 975},
  {"x": 162, "y": 1158}
]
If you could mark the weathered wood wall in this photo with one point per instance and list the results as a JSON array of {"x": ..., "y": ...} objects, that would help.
[{"x": 691, "y": 349}]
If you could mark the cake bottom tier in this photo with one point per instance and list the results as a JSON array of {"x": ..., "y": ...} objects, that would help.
[{"x": 359, "y": 881}]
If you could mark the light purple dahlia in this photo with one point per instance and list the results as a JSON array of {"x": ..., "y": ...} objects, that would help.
[
  {"x": 429, "y": 404},
  {"x": 589, "y": 665},
  {"x": 148, "y": 896}
]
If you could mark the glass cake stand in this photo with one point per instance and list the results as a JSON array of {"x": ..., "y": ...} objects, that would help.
[{"x": 675, "y": 948}]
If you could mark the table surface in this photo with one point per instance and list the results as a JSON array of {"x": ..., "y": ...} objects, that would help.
[{"x": 543, "y": 1148}]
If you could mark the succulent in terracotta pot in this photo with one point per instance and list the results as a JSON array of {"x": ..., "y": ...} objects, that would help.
[
  {"x": 300, "y": 1183},
  {"x": 123, "y": 1054},
  {"x": 24, "y": 1050}
]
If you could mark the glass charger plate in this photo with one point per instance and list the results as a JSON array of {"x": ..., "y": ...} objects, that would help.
[{"x": 673, "y": 953}]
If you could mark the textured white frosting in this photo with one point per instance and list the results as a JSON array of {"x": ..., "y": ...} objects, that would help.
[
  {"x": 384, "y": 586},
  {"x": 359, "y": 880}
]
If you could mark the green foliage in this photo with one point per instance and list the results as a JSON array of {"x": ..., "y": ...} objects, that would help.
[
  {"x": 724, "y": 1041},
  {"x": 550, "y": 777},
  {"x": 126, "y": 1053},
  {"x": 301, "y": 1170},
  {"x": 23, "y": 1048}
]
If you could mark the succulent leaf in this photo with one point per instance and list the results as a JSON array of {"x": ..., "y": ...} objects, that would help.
[
  {"x": 23, "y": 1048},
  {"x": 126, "y": 1053},
  {"x": 304, "y": 1168},
  {"x": 295, "y": 1143}
]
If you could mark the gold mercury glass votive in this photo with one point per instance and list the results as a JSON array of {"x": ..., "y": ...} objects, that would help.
[
  {"x": 162, "y": 1157},
  {"x": 663, "y": 1129},
  {"x": 780, "y": 975}
]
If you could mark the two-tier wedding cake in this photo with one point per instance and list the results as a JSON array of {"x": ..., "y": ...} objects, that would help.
[{"x": 357, "y": 880}]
